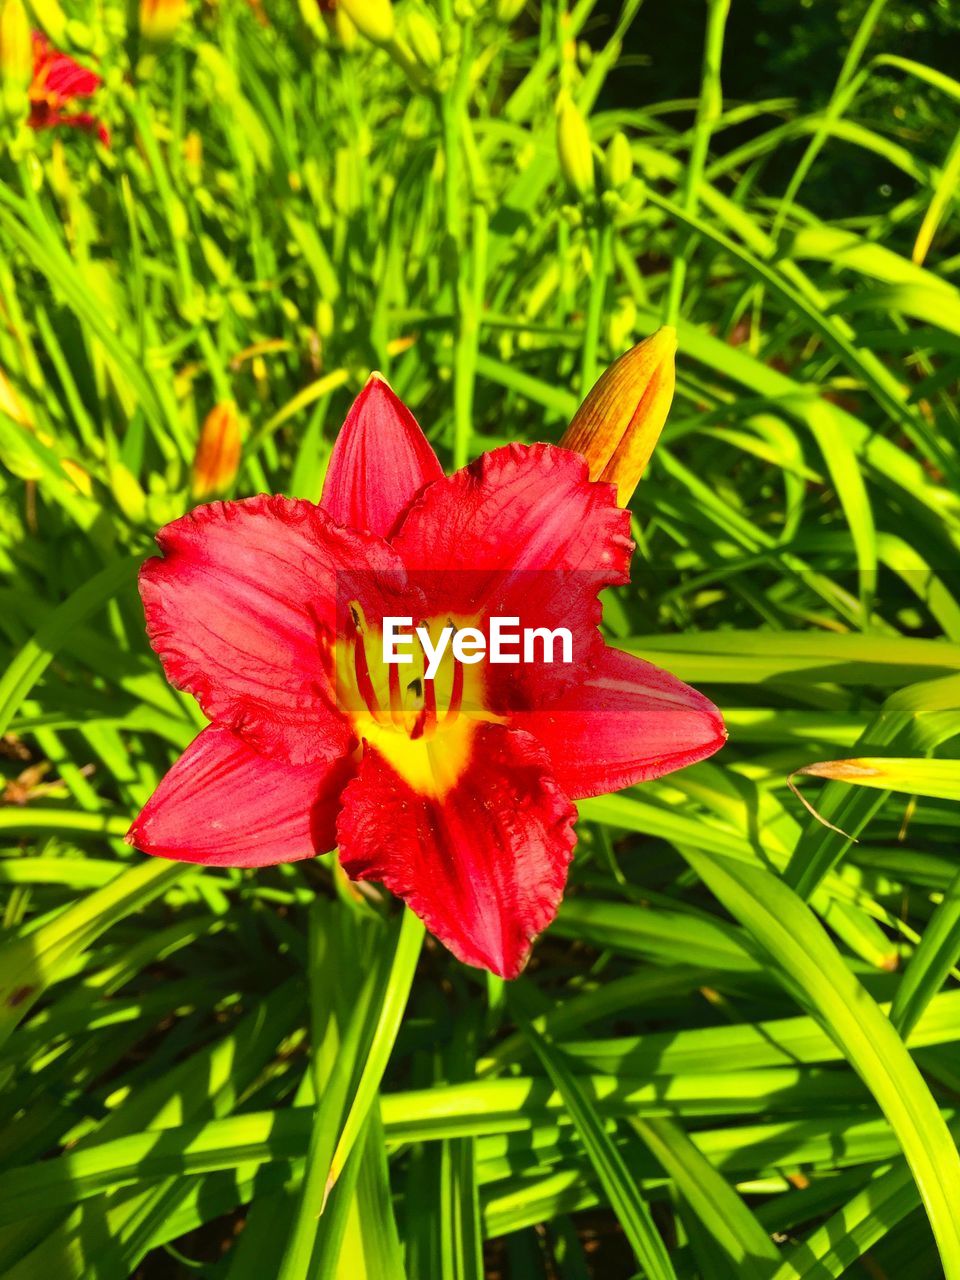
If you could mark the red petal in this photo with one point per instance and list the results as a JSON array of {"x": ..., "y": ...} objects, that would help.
[
  {"x": 627, "y": 722},
  {"x": 56, "y": 75},
  {"x": 522, "y": 532},
  {"x": 484, "y": 866},
  {"x": 380, "y": 461},
  {"x": 242, "y": 611},
  {"x": 520, "y": 507},
  {"x": 224, "y": 805},
  {"x": 67, "y": 79}
]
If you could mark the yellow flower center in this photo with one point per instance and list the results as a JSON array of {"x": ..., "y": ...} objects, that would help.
[{"x": 422, "y": 727}]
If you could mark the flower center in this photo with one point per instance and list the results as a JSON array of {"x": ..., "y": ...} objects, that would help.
[
  {"x": 423, "y": 727},
  {"x": 410, "y": 704}
]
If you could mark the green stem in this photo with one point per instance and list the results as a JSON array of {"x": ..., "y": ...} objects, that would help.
[
  {"x": 708, "y": 112},
  {"x": 453, "y": 108},
  {"x": 601, "y": 244}
]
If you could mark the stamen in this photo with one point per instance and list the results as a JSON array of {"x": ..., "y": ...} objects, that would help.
[
  {"x": 429, "y": 708},
  {"x": 396, "y": 696},
  {"x": 360, "y": 666},
  {"x": 426, "y": 724},
  {"x": 456, "y": 693},
  {"x": 364, "y": 682}
]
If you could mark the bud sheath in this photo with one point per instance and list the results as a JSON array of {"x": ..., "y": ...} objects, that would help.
[{"x": 617, "y": 426}]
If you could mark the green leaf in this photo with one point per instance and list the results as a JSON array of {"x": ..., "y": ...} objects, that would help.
[
  {"x": 631, "y": 1209},
  {"x": 814, "y": 973}
]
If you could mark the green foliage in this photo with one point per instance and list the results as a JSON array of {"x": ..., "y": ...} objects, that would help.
[{"x": 734, "y": 1054}]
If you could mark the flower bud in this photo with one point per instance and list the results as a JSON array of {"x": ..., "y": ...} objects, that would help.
[
  {"x": 159, "y": 19},
  {"x": 506, "y": 11},
  {"x": 217, "y": 460},
  {"x": 16, "y": 52},
  {"x": 423, "y": 39},
  {"x": 372, "y": 18},
  {"x": 618, "y": 162},
  {"x": 618, "y": 425},
  {"x": 574, "y": 147}
]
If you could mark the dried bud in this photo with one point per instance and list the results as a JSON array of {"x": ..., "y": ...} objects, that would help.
[
  {"x": 617, "y": 426},
  {"x": 159, "y": 19},
  {"x": 217, "y": 460},
  {"x": 619, "y": 161},
  {"x": 372, "y": 18},
  {"x": 574, "y": 147}
]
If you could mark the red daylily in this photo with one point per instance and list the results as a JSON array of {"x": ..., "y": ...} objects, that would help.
[
  {"x": 455, "y": 793},
  {"x": 58, "y": 82}
]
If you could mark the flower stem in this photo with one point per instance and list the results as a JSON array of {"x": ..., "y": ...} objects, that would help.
[
  {"x": 708, "y": 112},
  {"x": 601, "y": 241},
  {"x": 452, "y": 107}
]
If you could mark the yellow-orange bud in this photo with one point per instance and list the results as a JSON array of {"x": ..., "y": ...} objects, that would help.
[
  {"x": 372, "y": 18},
  {"x": 619, "y": 423},
  {"x": 217, "y": 460},
  {"x": 16, "y": 49},
  {"x": 574, "y": 147},
  {"x": 159, "y": 19}
]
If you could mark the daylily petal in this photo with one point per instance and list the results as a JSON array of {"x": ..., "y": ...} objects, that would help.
[
  {"x": 380, "y": 461},
  {"x": 242, "y": 610},
  {"x": 484, "y": 864},
  {"x": 522, "y": 508},
  {"x": 522, "y": 532},
  {"x": 66, "y": 79},
  {"x": 224, "y": 805},
  {"x": 58, "y": 76},
  {"x": 627, "y": 722}
]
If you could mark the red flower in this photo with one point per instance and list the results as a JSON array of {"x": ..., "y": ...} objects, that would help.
[
  {"x": 456, "y": 793},
  {"x": 57, "y": 83}
]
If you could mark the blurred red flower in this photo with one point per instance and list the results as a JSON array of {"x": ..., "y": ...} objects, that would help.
[
  {"x": 456, "y": 793},
  {"x": 58, "y": 84}
]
